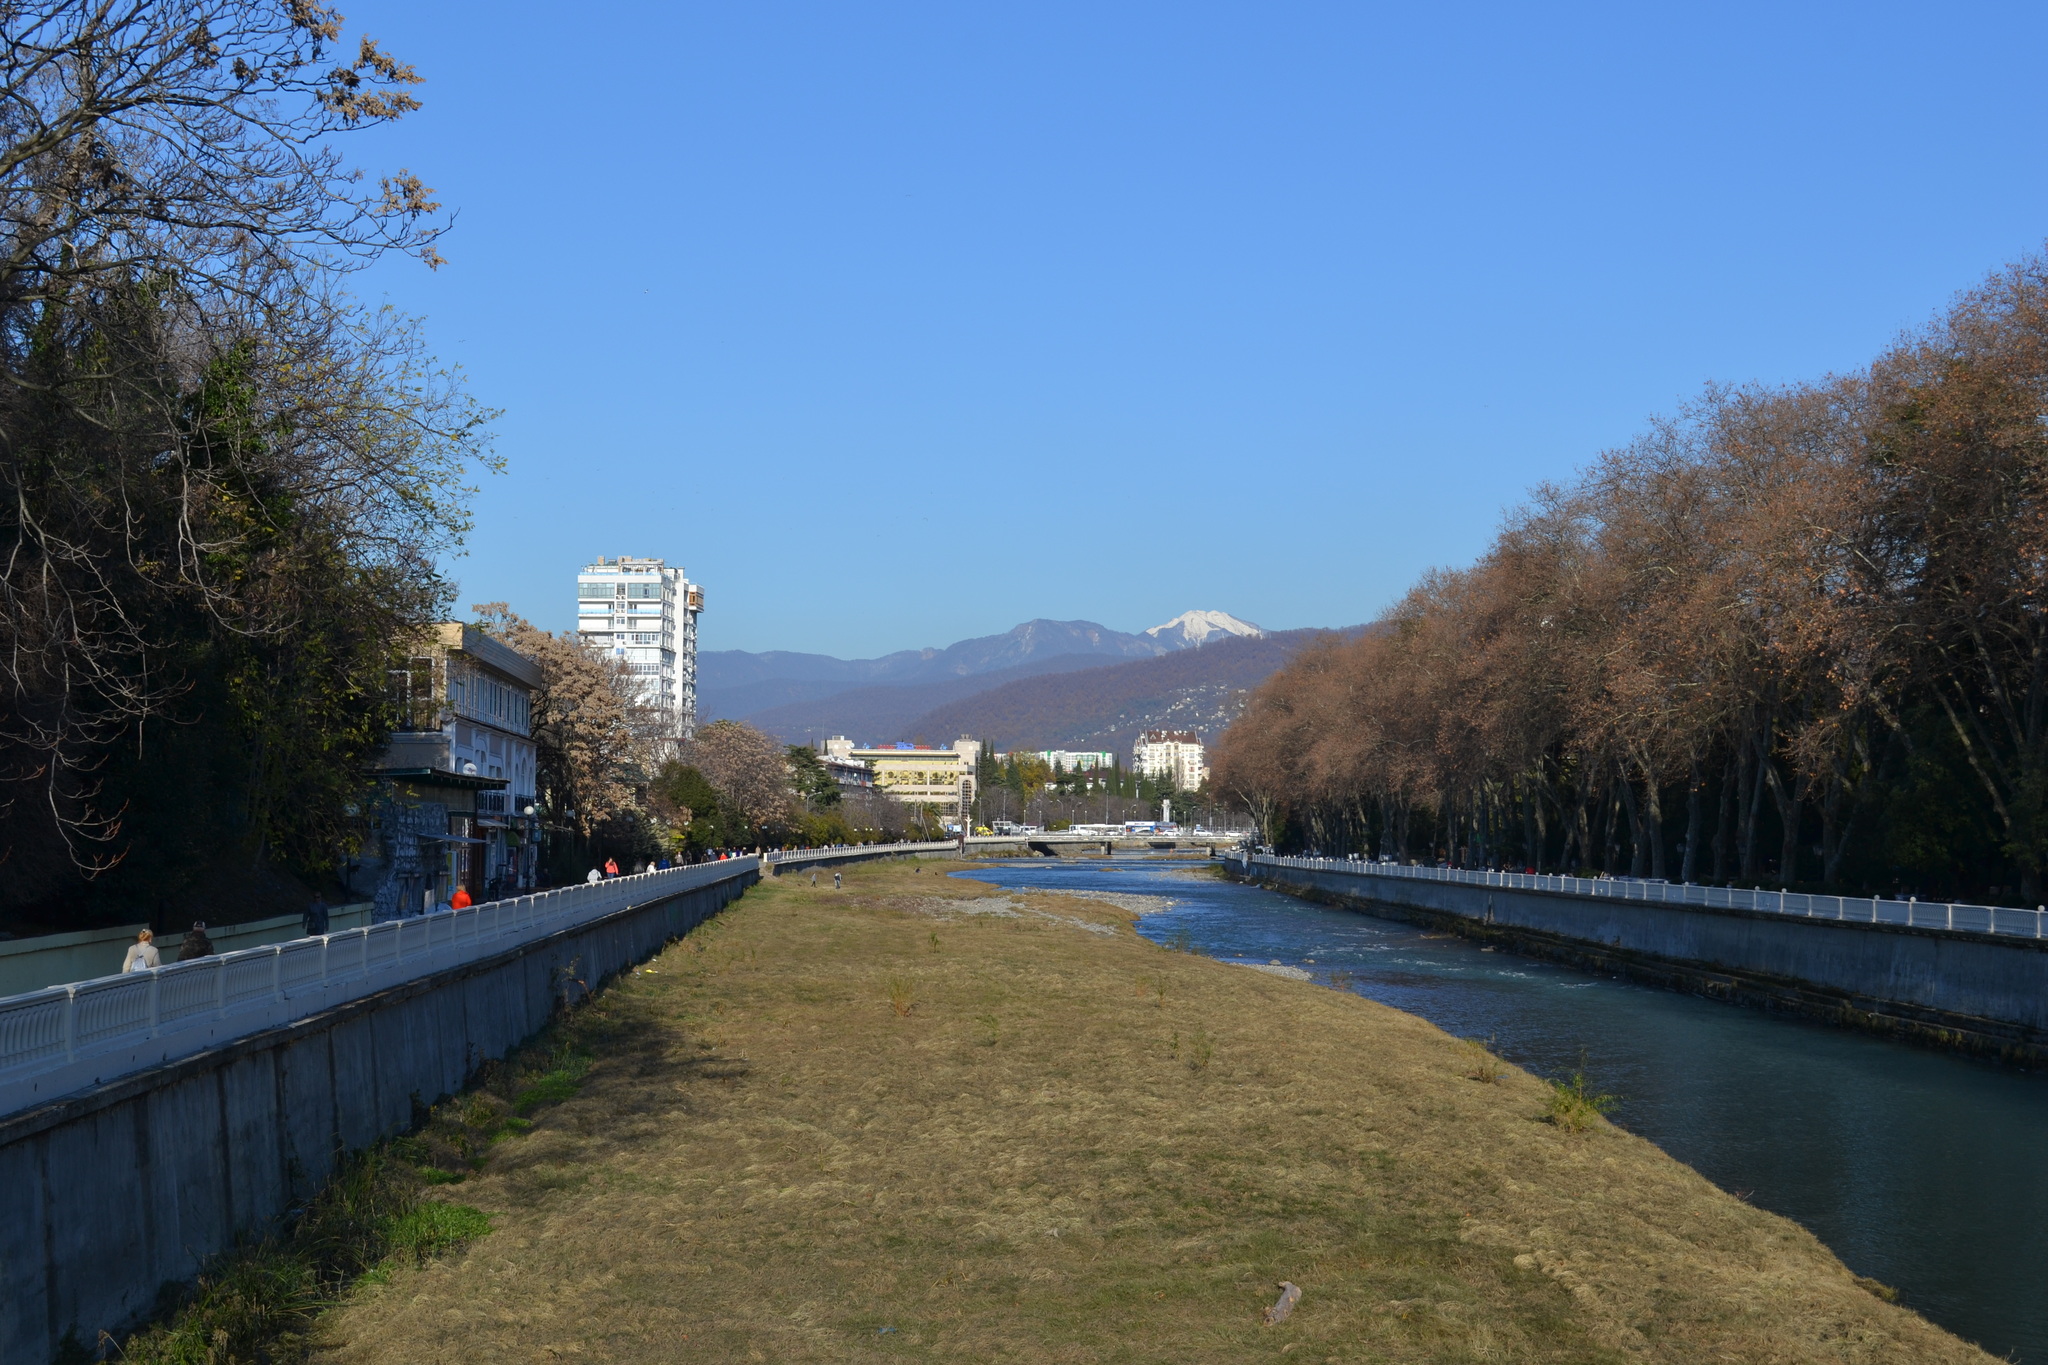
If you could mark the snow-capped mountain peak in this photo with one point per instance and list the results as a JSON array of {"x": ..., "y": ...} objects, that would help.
[{"x": 1192, "y": 628}]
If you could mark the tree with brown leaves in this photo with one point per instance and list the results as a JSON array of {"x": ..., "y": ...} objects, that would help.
[{"x": 1795, "y": 634}]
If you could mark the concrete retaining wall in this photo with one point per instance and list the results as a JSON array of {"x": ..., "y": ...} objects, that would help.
[
  {"x": 108, "y": 1195},
  {"x": 1981, "y": 992}
]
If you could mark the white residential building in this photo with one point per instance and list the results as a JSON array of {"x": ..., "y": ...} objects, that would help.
[
  {"x": 644, "y": 614},
  {"x": 1074, "y": 761},
  {"x": 1175, "y": 754}
]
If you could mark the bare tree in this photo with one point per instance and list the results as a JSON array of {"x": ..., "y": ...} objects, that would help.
[
  {"x": 748, "y": 769},
  {"x": 192, "y": 413},
  {"x": 589, "y": 760},
  {"x": 1788, "y": 624}
]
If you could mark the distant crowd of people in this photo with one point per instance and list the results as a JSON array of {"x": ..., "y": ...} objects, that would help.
[
  {"x": 610, "y": 867},
  {"x": 143, "y": 954}
]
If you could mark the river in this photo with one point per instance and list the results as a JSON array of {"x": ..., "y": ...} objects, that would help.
[{"x": 1925, "y": 1170}]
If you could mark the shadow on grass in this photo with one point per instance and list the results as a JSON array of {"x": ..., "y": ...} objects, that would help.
[{"x": 388, "y": 1207}]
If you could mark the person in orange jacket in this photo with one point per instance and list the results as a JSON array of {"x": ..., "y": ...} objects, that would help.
[
  {"x": 611, "y": 867},
  {"x": 460, "y": 900}
]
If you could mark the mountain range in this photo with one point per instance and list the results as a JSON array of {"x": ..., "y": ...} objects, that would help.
[
  {"x": 1106, "y": 708},
  {"x": 1065, "y": 682}
]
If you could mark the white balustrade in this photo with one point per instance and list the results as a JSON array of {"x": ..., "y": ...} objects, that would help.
[{"x": 1952, "y": 917}]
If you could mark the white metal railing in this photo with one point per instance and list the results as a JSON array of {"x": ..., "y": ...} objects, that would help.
[
  {"x": 1917, "y": 914},
  {"x": 794, "y": 856},
  {"x": 63, "y": 1038}
]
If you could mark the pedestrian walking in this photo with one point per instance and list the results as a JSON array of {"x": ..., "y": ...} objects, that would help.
[
  {"x": 460, "y": 901},
  {"x": 196, "y": 944},
  {"x": 316, "y": 917},
  {"x": 142, "y": 954},
  {"x": 595, "y": 877},
  {"x": 835, "y": 881},
  {"x": 611, "y": 867}
]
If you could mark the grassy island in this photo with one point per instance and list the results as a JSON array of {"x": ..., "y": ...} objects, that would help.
[{"x": 922, "y": 1118}]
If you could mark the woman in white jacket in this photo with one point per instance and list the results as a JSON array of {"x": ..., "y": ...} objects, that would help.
[{"x": 141, "y": 953}]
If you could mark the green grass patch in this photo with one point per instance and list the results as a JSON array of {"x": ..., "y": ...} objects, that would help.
[
  {"x": 257, "y": 1304},
  {"x": 1574, "y": 1106},
  {"x": 559, "y": 1082},
  {"x": 431, "y": 1228}
]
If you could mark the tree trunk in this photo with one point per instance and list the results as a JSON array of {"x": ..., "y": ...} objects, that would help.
[
  {"x": 1610, "y": 830},
  {"x": 1695, "y": 818},
  {"x": 1627, "y": 791},
  {"x": 1582, "y": 832},
  {"x": 1831, "y": 832},
  {"x": 1724, "y": 821},
  {"x": 1790, "y": 801},
  {"x": 1755, "y": 767},
  {"x": 1653, "y": 823}
]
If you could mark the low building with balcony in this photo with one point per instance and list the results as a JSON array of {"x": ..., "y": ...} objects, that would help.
[
  {"x": 916, "y": 774},
  {"x": 458, "y": 777}
]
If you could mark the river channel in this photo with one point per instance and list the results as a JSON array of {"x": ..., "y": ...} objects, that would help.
[{"x": 1924, "y": 1170}]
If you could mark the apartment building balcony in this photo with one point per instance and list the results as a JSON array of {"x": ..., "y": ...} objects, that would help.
[
  {"x": 427, "y": 759},
  {"x": 504, "y": 805}
]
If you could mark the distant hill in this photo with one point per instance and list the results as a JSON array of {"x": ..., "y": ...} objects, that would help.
[
  {"x": 1106, "y": 707},
  {"x": 890, "y": 711},
  {"x": 740, "y": 685}
]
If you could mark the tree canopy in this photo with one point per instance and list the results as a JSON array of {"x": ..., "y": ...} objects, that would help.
[
  {"x": 224, "y": 483},
  {"x": 1792, "y": 634}
]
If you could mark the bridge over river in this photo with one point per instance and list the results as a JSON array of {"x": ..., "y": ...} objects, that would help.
[{"x": 1067, "y": 844}]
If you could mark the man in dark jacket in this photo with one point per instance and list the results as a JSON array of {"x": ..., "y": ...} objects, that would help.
[
  {"x": 196, "y": 944},
  {"x": 316, "y": 916}
]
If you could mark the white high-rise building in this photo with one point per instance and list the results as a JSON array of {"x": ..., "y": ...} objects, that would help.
[
  {"x": 1175, "y": 754},
  {"x": 644, "y": 614}
]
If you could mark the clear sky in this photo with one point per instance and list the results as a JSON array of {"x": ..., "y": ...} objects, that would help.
[{"x": 897, "y": 324}]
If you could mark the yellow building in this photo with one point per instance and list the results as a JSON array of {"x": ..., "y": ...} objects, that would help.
[{"x": 917, "y": 775}]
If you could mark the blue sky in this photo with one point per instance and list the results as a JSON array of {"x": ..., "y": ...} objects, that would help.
[{"x": 898, "y": 324}]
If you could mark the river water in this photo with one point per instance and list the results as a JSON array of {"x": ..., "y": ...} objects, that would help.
[{"x": 1924, "y": 1170}]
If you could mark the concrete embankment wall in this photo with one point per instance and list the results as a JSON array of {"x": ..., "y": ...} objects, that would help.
[
  {"x": 108, "y": 1195},
  {"x": 1979, "y": 992}
]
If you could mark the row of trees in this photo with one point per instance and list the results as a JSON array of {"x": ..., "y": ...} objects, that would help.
[
  {"x": 224, "y": 483},
  {"x": 1795, "y": 635},
  {"x": 1029, "y": 790},
  {"x": 1025, "y": 788}
]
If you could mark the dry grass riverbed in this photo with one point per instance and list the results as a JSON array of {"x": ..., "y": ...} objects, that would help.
[{"x": 875, "y": 1124}]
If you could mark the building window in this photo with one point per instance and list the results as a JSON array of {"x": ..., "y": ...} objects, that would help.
[{"x": 410, "y": 692}]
